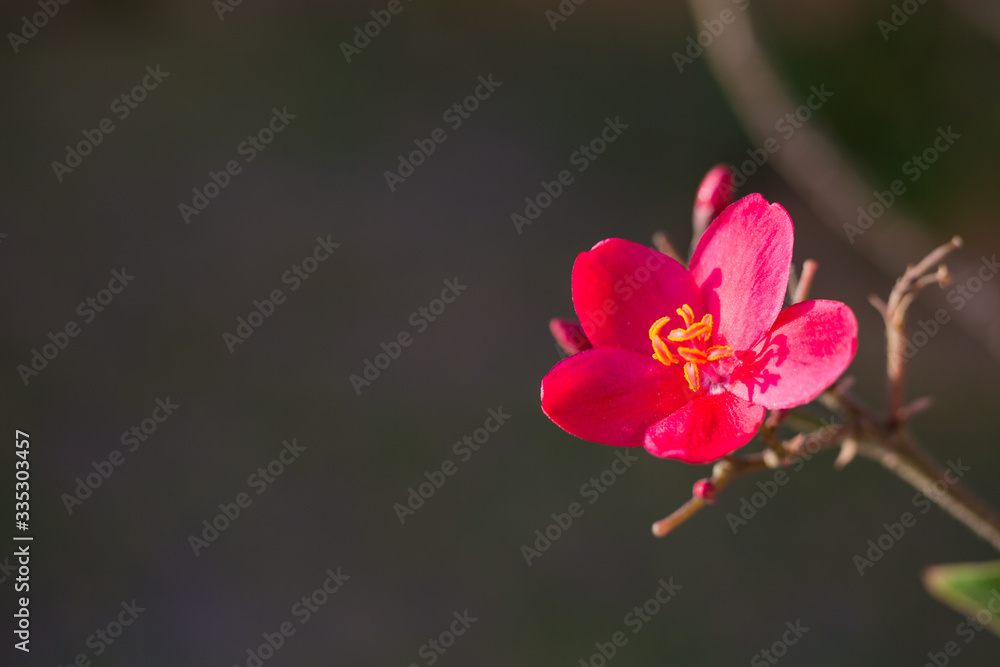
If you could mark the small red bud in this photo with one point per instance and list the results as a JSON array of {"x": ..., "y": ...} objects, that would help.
[
  {"x": 705, "y": 490},
  {"x": 714, "y": 194},
  {"x": 569, "y": 335}
]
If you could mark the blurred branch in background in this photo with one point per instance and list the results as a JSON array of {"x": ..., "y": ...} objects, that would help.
[
  {"x": 823, "y": 175},
  {"x": 984, "y": 15}
]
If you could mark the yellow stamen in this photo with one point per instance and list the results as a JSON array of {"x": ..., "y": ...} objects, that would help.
[
  {"x": 694, "y": 335},
  {"x": 660, "y": 350},
  {"x": 693, "y": 331},
  {"x": 657, "y": 325},
  {"x": 717, "y": 352},
  {"x": 691, "y": 375},
  {"x": 692, "y": 355},
  {"x": 686, "y": 313}
]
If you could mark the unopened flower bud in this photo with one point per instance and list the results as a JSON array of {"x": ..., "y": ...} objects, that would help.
[
  {"x": 714, "y": 194},
  {"x": 569, "y": 335},
  {"x": 705, "y": 490}
]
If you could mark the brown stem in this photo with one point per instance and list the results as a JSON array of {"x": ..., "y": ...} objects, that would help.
[
  {"x": 913, "y": 464},
  {"x": 679, "y": 516},
  {"x": 892, "y": 445},
  {"x": 894, "y": 313},
  {"x": 723, "y": 473},
  {"x": 729, "y": 469}
]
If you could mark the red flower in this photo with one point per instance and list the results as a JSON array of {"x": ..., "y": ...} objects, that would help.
[{"x": 685, "y": 362}]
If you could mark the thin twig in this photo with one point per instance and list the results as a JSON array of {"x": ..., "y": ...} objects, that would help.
[
  {"x": 801, "y": 292},
  {"x": 894, "y": 313},
  {"x": 733, "y": 467},
  {"x": 724, "y": 472}
]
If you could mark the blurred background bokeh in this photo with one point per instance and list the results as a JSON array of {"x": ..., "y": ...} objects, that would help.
[{"x": 323, "y": 176}]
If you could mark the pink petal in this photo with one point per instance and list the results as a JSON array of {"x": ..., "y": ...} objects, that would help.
[
  {"x": 620, "y": 288},
  {"x": 741, "y": 266},
  {"x": 705, "y": 429},
  {"x": 611, "y": 396},
  {"x": 811, "y": 344}
]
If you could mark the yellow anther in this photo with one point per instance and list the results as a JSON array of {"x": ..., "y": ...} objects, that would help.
[
  {"x": 693, "y": 355},
  {"x": 691, "y": 375},
  {"x": 697, "y": 330},
  {"x": 717, "y": 352},
  {"x": 660, "y": 350},
  {"x": 686, "y": 313},
  {"x": 657, "y": 325}
]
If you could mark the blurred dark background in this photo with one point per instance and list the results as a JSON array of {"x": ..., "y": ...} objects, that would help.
[{"x": 323, "y": 176}]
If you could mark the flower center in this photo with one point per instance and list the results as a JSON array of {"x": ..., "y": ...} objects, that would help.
[{"x": 687, "y": 345}]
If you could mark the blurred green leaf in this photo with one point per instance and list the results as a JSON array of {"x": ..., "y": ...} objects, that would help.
[{"x": 969, "y": 588}]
